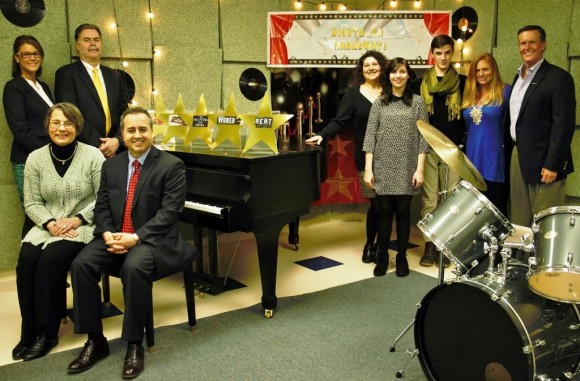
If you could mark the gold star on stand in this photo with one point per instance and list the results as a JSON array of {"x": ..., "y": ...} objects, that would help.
[
  {"x": 161, "y": 118},
  {"x": 228, "y": 125},
  {"x": 199, "y": 128},
  {"x": 262, "y": 127},
  {"x": 181, "y": 129}
]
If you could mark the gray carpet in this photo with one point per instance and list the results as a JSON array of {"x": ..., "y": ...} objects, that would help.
[{"x": 342, "y": 333}]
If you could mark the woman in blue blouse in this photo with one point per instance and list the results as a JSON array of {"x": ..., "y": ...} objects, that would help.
[{"x": 484, "y": 103}]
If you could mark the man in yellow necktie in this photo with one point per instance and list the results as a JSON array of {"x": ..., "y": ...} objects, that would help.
[{"x": 98, "y": 91}]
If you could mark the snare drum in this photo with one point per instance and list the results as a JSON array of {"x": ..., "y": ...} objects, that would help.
[
  {"x": 455, "y": 225},
  {"x": 555, "y": 271},
  {"x": 479, "y": 330}
]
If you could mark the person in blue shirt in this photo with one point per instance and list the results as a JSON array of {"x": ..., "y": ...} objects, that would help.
[{"x": 484, "y": 105}]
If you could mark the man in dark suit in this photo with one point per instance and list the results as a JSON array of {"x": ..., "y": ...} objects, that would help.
[
  {"x": 540, "y": 120},
  {"x": 141, "y": 195},
  {"x": 80, "y": 82}
]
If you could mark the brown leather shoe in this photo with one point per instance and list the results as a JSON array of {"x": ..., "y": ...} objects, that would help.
[
  {"x": 91, "y": 353},
  {"x": 428, "y": 258},
  {"x": 134, "y": 361}
]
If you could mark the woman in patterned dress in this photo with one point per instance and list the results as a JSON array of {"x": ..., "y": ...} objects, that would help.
[
  {"x": 394, "y": 158},
  {"x": 61, "y": 181},
  {"x": 484, "y": 106}
]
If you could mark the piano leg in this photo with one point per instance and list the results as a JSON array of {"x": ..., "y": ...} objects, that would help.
[
  {"x": 267, "y": 242},
  {"x": 293, "y": 236}
]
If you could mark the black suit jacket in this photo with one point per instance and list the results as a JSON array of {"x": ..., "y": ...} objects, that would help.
[
  {"x": 25, "y": 111},
  {"x": 545, "y": 124},
  {"x": 158, "y": 201},
  {"x": 74, "y": 84}
]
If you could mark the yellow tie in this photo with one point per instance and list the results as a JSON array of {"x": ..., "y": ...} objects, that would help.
[{"x": 104, "y": 101}]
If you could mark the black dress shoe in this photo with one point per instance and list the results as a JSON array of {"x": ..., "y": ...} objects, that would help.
[
  {"x": 368, "y": 252},
  {"x": 20, "y": 349},
  {"x": 92, "y": 352},
  {"x": 134, "y": 361},
  {"x": 381, "y": 268},
  {"x": 40, "y": 348}
]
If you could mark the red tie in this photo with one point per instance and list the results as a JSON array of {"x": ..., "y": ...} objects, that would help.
[{"x": 127, "y": 223}]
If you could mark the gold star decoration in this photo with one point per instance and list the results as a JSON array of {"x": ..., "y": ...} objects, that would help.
[
  {"x": 262, "y": 127},
  {"x": 161, "y": 118},
  {"x": 177, "y": 129},
  {"x": 199, "y": 127},
  {"x": 339, "y": 184},
  {"x": 228, "y": 125}
]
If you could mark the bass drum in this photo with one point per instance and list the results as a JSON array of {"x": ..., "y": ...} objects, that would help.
[{"x": 479, "y": 330}]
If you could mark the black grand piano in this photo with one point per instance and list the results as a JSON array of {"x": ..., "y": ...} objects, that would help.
[{"x": 259, "y": 193}]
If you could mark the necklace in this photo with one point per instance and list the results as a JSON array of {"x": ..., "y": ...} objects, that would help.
[
  {"x": 476, "y": 112},
  {"x": 63, "y": 162}
]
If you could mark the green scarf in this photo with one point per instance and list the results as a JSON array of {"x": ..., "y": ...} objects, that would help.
[{"x": 448, "y": 86}]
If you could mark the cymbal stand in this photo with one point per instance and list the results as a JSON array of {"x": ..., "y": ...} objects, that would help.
[{"x": 440, "y": 279}]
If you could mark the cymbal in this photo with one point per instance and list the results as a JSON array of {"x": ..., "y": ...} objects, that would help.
[{"x": 451, "y": 155}]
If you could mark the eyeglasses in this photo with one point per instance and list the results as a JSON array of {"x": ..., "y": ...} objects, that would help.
[
  {"x": 27, "y": 55},
  {"x": 55, "y": 124}
]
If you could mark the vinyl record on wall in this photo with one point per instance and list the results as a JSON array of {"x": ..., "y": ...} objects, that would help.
[
  {"x": 463, "y": 23},
  {"x": 253, "y": 84},
  {"x": 129, "y": 84},
  {"x": 24, "y": 13}
]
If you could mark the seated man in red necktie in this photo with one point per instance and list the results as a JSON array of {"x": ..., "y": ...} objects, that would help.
[{"x": 140, "y": 198}]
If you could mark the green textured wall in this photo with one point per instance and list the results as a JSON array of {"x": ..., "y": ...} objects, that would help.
[{"x": 206, "y": 44}]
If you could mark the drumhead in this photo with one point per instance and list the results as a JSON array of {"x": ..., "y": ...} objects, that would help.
[
  {"x": 476, "y": 329},
  {"x": 462, "y": 335}
]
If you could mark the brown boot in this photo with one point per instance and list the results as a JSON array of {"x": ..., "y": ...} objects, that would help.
[{"x": 428, "y": 258}]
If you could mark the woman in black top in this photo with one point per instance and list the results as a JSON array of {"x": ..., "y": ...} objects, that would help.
[{"x": 353, "y": 112}]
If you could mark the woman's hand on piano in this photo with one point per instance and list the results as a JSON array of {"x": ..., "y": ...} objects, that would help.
[{"x": 316, "y": 139}]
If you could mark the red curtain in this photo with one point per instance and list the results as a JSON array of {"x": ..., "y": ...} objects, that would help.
[{"x": 279, "y": 27}]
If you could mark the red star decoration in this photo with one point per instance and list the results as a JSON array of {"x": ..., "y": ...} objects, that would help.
[{"x": 338, "y": 146}]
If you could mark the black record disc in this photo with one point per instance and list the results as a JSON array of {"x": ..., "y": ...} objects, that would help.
[
  {"x": 253, "y": 84},
  {"x": 24, "y": 13},
  {"x": 129, "y": 84},
  {"x": 463, "y": 23}
]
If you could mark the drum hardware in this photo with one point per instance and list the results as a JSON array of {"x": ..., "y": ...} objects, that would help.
[{"x": 528, "y": 349}]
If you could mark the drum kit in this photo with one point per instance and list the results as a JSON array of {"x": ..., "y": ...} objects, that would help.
[{"x": 515, "y": 318}]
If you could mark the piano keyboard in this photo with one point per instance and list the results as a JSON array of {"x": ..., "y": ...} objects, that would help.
[{"x": 206, "y": 208}]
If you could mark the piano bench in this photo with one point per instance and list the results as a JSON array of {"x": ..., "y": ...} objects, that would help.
[{"x": 188, "y": 282}]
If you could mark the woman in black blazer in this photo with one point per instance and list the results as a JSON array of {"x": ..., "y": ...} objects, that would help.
[{"x": 26, "y": 100}]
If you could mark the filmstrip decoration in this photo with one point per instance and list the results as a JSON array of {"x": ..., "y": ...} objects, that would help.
[{"x": 248, "y": 133}]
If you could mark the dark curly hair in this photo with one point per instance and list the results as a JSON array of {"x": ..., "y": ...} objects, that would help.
[
  {"x": 387, "y": 95},
  {"x": 358, "y": 70}
]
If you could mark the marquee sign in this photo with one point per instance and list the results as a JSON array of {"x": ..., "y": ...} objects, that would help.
[{"x": 338, "y": 39}]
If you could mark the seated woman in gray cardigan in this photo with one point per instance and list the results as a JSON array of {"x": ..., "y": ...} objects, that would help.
[{"x": 61, "y": 181}]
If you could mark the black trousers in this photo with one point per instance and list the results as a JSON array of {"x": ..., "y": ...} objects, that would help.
[
  {"x": 134, "y": 269},
  {"x": 41, "y": 285}
]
